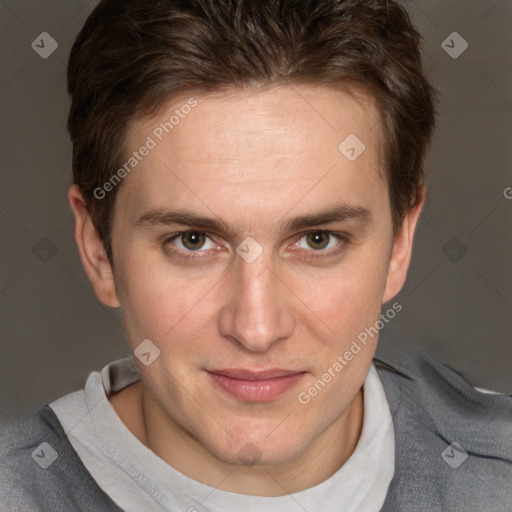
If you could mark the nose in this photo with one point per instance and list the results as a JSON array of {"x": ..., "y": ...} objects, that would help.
[{"x": 259, "y": 309}]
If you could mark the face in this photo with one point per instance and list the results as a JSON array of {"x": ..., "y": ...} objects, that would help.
[{"x": 246, "y": 240}]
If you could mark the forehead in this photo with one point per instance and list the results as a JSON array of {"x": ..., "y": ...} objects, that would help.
[
  {"x": 267, "y": 110},
  {"x": 253, "y": 142}
]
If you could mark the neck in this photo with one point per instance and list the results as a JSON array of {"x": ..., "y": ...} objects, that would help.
[{"x": 177, "y": 447}]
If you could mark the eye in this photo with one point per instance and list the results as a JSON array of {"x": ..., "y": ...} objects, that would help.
[
  {"x": 319, "y": 244},
  {"x": 322, "y": 242},
  {"x": 190, "y": 241}
]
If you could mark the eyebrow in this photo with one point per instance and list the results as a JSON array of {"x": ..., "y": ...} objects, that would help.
[{"x": 339, "y": 213}]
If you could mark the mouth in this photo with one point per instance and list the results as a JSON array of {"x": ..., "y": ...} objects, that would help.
[{"x": 260, "y": 386}]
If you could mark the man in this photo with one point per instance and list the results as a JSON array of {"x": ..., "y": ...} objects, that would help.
[{"x": 248, "y": 177}]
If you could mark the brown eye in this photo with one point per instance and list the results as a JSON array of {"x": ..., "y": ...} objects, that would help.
[
  {"x": 193, "y": 240},
  {"x": 190, "y": 244},
  {"x": 323, "y": 244},
  {"x": 318, "y": 239}
]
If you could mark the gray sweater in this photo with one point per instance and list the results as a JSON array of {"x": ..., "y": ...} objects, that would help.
[{"x": 453, "y": 447}]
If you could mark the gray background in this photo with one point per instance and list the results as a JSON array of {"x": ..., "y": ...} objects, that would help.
[{"x": 457, "y": 302}]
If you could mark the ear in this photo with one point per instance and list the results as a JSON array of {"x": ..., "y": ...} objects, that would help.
[
  {"x": 92, "y": 253},
  {"x": 402, "y": 251}
]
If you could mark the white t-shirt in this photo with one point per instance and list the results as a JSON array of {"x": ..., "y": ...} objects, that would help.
[{"x": 136, "y": 479}]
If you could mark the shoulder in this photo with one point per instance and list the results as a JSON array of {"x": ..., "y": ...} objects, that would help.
[
  {"x": 424, "y": 381},
  {"x": 40, "y": 470},
  {"x": 453, "y": 443}
]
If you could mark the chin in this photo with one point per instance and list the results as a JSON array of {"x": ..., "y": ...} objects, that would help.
[{"x": 256, "y": 450}]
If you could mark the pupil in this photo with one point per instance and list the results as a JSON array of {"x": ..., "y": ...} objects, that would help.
[
  {"x": 316, "y": 236},
  {"x": 194, "y": 238}
]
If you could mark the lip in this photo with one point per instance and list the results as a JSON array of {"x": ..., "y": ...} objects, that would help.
[
  {"x": 241, "y": 373},
  {"x": 259, "y": 386}
]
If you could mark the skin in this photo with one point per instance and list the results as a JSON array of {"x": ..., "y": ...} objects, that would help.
[{"x": 254, "y": 159}]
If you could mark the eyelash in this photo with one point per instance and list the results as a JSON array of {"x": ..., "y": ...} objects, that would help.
[{"x": 342, "y": 237}]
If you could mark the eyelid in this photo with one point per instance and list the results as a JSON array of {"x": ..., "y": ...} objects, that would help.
[
  {"x": 342, "y": 237},
  {"x": 171, "y": 238}
]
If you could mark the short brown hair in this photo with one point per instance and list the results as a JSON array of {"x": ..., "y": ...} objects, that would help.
[{"x": 131, "y": 55}]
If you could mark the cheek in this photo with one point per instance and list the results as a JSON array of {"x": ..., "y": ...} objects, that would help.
[
  {"x": 160, "y": 301},
  {"x": 346, "y": 298}
]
